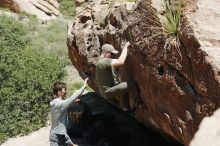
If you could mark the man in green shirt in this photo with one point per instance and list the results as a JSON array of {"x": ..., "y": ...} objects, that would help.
[{"x": 106, "y": 77}]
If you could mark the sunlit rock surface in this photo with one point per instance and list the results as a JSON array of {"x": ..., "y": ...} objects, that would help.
[
  {"x": 44, "y": 10},
  {"x": 178, "y": 87}
]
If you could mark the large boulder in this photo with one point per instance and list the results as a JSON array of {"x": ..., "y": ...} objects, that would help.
[
  {"x": 95, "y": 122},
  {"x": 44, "y": 10},
  {"x": 178, "y": 86}
]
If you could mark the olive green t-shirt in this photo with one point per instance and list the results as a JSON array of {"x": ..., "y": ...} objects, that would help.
[{"x": 104, "y": 74}]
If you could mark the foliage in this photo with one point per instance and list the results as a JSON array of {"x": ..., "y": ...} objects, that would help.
[
  {"x": 26, "y": 78},
  {"x": 170, "y": 20},
  {"x": 32, "y": 21},
  {"x": 67, "y": 7},
  {"x": 76, "y": 86},
  {"x": 13, "y": 35},
  {"x": 51, "y": 38}
]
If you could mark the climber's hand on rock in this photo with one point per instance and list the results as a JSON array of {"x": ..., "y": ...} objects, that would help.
[
  {"x": 127, "y": 45},
  {"x": 85, "y": 82}
]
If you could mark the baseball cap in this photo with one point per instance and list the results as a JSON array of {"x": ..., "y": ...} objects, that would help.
[{"x": 110, "y": 48}]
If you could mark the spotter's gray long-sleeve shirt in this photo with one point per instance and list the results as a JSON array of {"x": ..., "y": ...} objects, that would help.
[{"x": 58, "y": 113}]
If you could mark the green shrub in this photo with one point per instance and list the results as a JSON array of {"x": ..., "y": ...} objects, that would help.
[
  {"x": 51, "y": 38},
  {"x": 12, "y": 34},
  {"x": 67, "y": 7},
  {"x": 76, "y": 86},
  {"x": 26, "y": 78}
]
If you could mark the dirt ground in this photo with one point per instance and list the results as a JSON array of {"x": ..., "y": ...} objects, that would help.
[{"x": 37, "y": 138}]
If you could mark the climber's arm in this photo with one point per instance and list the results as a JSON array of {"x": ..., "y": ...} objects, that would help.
[{"x": 121, "y": 60}]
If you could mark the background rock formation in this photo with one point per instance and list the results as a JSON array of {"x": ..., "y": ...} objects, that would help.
[
  {"x": 208, "y": 133},
  {"x": 177, "y": 89},
  {"x": 43, "y": 9}
]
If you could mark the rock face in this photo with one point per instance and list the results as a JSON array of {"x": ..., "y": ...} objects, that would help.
[
  {"x": 94, "y": 122},
  {"x": 206, "y": 23},
  {"x": 178, "y": 87},
  {"x": 44, "y": 10}
]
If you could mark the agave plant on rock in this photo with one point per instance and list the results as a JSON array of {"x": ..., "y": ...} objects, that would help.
[{"x": 170, "y": 20}]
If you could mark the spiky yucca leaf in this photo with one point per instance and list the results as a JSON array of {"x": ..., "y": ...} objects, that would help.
[{"x": 170, "y": 20}]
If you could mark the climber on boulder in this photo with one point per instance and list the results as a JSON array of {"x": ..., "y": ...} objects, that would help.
[{"x": 106, "y": 77}]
